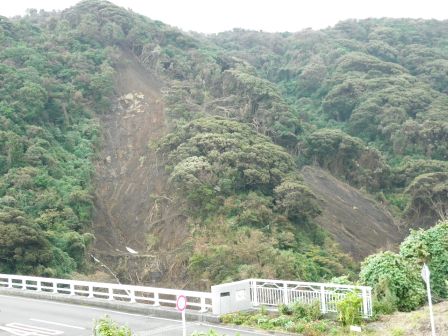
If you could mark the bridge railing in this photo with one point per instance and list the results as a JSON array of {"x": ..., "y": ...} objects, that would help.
[
  {"x": 276, "y": 292},
  {"x": 164, "y": 297},
  {"x": 222, "y": 299}
]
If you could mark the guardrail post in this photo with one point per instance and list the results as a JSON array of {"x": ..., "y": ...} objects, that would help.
[
  {"x": 156, "y": 299},
  {"x": 55, "y": 287},
  {"x": 38, "y": 285},
  {"x": 90, "y": 291},
  {"x": 255, "y": 294},
  {"x": 111, "y": 293},
  {"x": 285, "y": 293},
  {"x": 23, "y": 284},
  {"x": 216, "y": 301},
  {"x": 203, "y": 308},
  {"x": 72, "y": 289},
  {"x": 9, "y": 282},
  {"x": 365, "y": 311},
  {"x": 132, "y": 296},
  {"x": 323, "y": 305}
]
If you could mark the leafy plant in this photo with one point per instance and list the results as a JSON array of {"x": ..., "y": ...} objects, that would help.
[
  {"x": 384, "y": 301},
  {"x": 107, "y": 327},
  {"x": 349, "y": 309},
  {"x": 284, "y": 309},
  {"x": 307, "y": 311},
  {"x": 288, "y": 323},
  {"x": 263, "y": 310},
  {"x": 430, "y": 246},
  {"x": 403, "y": 278}
]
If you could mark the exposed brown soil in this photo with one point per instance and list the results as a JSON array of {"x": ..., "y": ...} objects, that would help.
[
  {"x": 359, "y": 224},
  {"x": 131, "y": 203},
  {"x": 133, "y": 207}
]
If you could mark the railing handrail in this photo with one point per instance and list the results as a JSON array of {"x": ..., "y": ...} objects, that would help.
[
  {"x": 258, "y": 291},
  {"x": 168, "y": 291},
  {"x": 317, "y": 284},
  {"x": 275, "y": 292}
]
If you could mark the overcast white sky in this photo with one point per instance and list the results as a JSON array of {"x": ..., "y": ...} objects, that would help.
[{"x": 211, "y": 16}]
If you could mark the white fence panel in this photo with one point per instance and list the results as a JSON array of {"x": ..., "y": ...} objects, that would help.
[
  {"x": 275, "y": 292},
  {"x": 259, "y": 292},
  {"x": 127, "y": 293}
]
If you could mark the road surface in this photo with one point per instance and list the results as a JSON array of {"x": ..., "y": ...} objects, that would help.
[{"x": 32, "y": 317}]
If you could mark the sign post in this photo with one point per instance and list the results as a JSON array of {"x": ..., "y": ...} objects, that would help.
[
  {"x": 181, "y": 305},
  {"x": 425, "y": 276}
]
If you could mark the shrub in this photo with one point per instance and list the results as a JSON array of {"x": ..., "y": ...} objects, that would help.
[
  {"x": 384, "y": 301},
  {"x": 300, "y": 327},
  {"x": 306, "y": 311},
  {"x": 289, "y": 326},
  {"x": 431, "y": 246},
  {"x": 403, "y": 278},
  {"x": 321, "y": 327},
  {"x": 107, "y": 327},
  {"x": 349, "y": 309},
  {"x": 235, "y": 318},
  {"x": 341, "y": 280},
  {"x": 299, "y": 322},
  {"x": 284, "y": 309},
  {"x": 281, "y": 321}
]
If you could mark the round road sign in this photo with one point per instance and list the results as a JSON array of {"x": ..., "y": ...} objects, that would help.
[{"x": 181, "y": 303}]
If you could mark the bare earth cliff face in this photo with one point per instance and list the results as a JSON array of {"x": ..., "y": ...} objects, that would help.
[
  {"x": 359, "y": 224},
  {"x": 131, "y": 205}
]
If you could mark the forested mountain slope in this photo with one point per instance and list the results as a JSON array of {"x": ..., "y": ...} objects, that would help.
[
  {"x": 51, "y": 86},
  {"x": 374, "y": 96},
  {"x": 189, "y": 148}
]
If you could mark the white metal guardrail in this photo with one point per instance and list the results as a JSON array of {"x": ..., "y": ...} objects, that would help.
[
  {"x": 275, "y": 292},
  {"x": 224, "y": 298},
  {"x": 164, "y": 297}
]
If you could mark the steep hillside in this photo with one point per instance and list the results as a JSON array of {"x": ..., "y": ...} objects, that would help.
[
  {"x": 52, "y": 83},
  {"x": 118, "y": 132},
  {"x": 357, "y": 222},
  {"x": 365, "y": 86},
  {"x": 132, "y": 208},
  {"x": 122, "y": 173},
  {"x": 164, "y": 219}
]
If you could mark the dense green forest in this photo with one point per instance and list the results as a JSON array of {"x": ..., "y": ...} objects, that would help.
[
  {"x": 366, "y": 100},
  {"x": 372, "y": 95},
  {"x": 52, "y": 81}
]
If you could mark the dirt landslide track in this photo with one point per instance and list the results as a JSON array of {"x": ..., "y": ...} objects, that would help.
[
  {"x": 359, "y": 224},
  {"x": 130, "y": 196},
  {"x": 133, "y": 208}
]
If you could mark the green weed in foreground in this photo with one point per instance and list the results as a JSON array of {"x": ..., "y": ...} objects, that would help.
[
  {"x": 300, "y": 318},
  {"x": 107, "y": 327},
  {"x": 211, "y": 332},
  {"x": 349, "y": 309}
]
